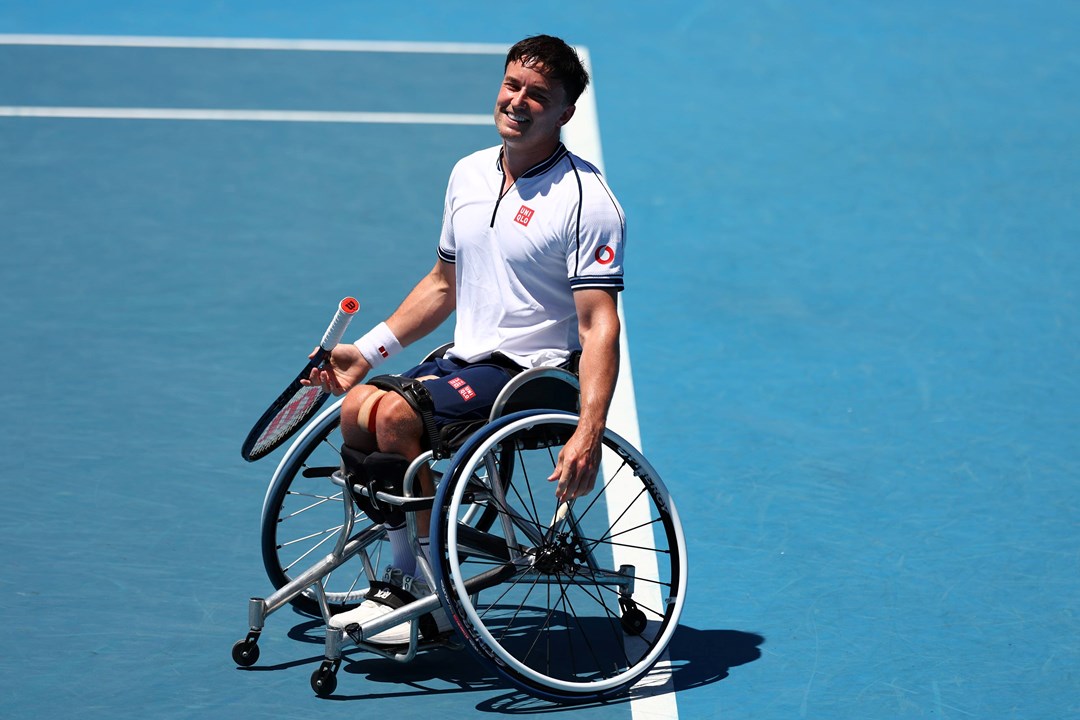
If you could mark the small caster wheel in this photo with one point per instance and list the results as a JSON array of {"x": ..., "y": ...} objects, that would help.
[
  {"x": 245, "y": 653},
  {"x": 324, "y": 679},
  {"x": 633, "y": 621}
]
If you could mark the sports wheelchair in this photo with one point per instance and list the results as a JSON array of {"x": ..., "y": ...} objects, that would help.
[{"x": 569, "y": 602}]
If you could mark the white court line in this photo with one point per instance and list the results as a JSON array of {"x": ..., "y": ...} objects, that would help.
[
  {"x": 581, "y": 135},
  {"x": 212, "y": 43},
  {"x": 654, "y": 696},
  {"x": 220, "y": 114},
  {"x": 210, "y": 114}
]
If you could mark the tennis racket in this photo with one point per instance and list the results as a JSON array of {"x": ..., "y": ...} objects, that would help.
[{"x": 295, "y": 406}]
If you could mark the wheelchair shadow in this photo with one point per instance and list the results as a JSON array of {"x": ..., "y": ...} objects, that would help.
[
  {"x": 429, "y": 673},
  {"x": 696, "y": 658}
]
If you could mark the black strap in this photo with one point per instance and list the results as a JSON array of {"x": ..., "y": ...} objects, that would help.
[
  {"x": 389, "y": 595},
  {"x": 420, "y": 400}
]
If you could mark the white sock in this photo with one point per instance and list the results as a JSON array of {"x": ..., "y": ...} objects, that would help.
[{"x": 404, "y": 559}]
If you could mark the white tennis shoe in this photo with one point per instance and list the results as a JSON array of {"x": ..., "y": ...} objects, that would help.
[{"x": 394, "y": 591}]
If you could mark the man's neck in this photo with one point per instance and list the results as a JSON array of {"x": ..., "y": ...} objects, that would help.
[{"x": 517, "y": 160}]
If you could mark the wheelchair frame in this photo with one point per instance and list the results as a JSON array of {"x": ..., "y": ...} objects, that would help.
[{"x": 488, "y": 539}]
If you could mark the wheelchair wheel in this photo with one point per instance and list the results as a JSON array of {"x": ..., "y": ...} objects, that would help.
[
  {"x": 571, "y": 603},
  {"x": 302, "y": 519}
]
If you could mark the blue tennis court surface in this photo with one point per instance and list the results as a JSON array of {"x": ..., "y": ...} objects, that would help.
[{"x": 851, "y": 310}]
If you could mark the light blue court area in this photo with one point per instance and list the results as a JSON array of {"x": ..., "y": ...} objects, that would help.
[{"x": 851, "y": 311}]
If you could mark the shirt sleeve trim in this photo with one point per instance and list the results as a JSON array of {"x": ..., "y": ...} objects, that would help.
[{"x": 579, "y": 283}]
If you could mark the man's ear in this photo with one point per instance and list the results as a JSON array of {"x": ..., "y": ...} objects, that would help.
[{"x": 567, "y": 114}]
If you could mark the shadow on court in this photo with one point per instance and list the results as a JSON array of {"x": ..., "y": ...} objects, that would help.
[
  {"x": 364, "y": 676},
  {"x": 697, "y": 658},
  {"x": 702, "y": 657}
]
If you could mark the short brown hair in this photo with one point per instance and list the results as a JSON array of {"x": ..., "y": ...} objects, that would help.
[{"x": 558, "y": 61}]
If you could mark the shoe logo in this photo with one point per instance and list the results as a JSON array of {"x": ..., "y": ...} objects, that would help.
[
  {"x": 382, "y": 594},
  {"x": 406, "y": 583}
]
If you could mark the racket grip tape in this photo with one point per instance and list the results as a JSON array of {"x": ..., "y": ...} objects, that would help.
[{"x": 346, "y": 309}]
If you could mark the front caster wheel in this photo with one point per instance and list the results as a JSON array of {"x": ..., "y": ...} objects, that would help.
[
  {"x": 245, "y": 653},
  {"x": 324, "y": 680}
]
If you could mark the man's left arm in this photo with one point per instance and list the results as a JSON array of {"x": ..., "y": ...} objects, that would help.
[{"x": 598, "y": 326}]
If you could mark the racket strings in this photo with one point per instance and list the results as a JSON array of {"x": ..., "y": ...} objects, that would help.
[{"x": 296, "y": 411}]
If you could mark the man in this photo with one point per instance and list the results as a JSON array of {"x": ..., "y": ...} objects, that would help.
[{"x": 530, "y": 257}]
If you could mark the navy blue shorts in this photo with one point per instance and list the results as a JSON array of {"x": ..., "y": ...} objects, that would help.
[{"x": 462, "y": 391}]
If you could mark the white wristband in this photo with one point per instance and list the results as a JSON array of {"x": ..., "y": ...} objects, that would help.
[{"x": 378, "y": 345}]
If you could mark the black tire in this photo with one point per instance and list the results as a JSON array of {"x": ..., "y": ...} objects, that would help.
[
  {"x": 245, "y": 653},
  {"x": 540, "y": 594},
  {"x": 324, "y": 679}
]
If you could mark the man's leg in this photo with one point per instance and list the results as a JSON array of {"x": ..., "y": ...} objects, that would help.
[
  {"x": 385, "y": 425},
  {"x": 373, "y": 420}
]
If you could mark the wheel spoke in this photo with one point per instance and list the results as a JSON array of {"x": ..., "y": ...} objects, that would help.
[{"x": 582, "y": 634}]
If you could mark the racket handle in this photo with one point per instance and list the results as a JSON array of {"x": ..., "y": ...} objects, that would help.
[{"x": 346, "y": 309}]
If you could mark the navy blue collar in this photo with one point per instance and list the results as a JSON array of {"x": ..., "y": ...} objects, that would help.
[{"x": 541, "y": 167}]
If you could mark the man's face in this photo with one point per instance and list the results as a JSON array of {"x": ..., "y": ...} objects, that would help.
[{"x": 530, "y": 108}]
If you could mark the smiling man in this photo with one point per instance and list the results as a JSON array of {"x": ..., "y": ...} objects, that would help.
[{"x": 531, "y": 258}]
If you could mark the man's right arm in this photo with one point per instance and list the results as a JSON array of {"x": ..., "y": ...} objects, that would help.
[
  {"x": 423, "y": 310},
  {"x": 427, "y": 306}
]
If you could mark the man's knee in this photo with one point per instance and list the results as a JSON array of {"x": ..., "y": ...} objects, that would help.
[
  {"x": 397, "y": 426},
  {"x": 358, "y": 409}
]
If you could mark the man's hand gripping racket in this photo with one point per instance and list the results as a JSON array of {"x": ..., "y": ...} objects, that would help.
[{"x": 300, "y": 401}]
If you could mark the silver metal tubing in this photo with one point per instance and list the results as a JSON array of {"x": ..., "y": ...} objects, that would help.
[
  {"x": 257, "y": 614},
  {"x": 319, "y": 570},
  {"x": 409, "y": 612}
]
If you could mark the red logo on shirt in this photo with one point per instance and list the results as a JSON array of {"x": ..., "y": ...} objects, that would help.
[
  {"x": 604, "y": 255},
  {"x": 524, "y": 215}
]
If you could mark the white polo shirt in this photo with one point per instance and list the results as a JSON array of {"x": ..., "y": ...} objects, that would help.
[{"x": 520, "y": 257}]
